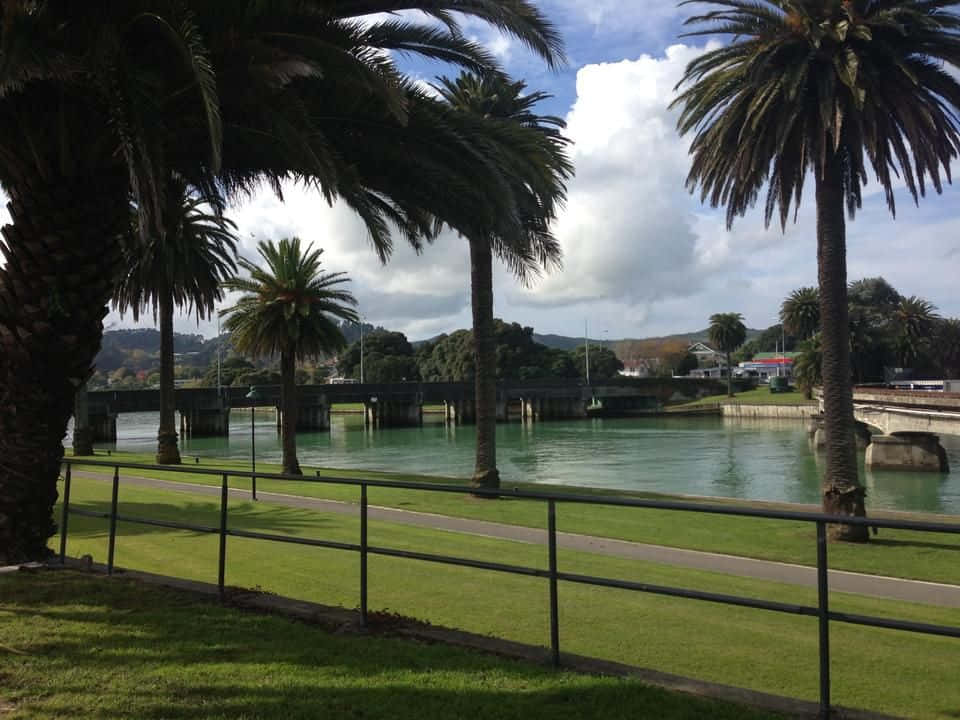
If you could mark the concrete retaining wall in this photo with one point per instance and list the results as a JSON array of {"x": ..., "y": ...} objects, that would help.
[{"x": 795, "y": 412}]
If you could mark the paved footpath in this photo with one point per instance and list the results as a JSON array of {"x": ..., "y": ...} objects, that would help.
[{"x": 916, "y": 591}]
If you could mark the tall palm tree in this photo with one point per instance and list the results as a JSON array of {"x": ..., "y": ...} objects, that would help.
[
  {"x": 800, "y": 313},
  {"x": 827, "y": 88},
  {"x": 913, "y": 320},
  {"x": 727, "y": 333},
  {"x": 101, "y": 101},
  {"x": 946, "y": 344},
  {"x": 290, "y": 308},
  {"x": 183, "y": 268},
  {"x": 531, "y": 150}
]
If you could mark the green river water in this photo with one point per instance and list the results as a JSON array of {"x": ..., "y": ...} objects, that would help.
[{"x": 711, "y": 456}]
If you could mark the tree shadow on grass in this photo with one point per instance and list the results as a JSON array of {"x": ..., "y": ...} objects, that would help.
[
  {"x": 122, "y": 649},
  {"x": 276, "y": 519},
  {"x": 952, "y": 545}
]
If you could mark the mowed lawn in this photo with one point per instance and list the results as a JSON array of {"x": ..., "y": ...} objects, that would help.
[
  {"x": 933, "y": 557},
  {"x": 75, "y": 646},
  {"x": 757, "y": 396},
  {"x": 887, "y": 671}
]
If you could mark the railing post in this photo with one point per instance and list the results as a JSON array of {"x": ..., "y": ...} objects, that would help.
[
  {"x": 824, "y": 617},
  {"x": 222, "y": 560},
  {"x": 64, "y": 519},
  {"x": 113, "y": 519},
  {"x": 363, "y": 554},
  {"x": 554, "y": 606}
]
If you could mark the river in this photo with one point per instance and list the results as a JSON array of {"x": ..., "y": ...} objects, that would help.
[{"x": 710, "y": 456}]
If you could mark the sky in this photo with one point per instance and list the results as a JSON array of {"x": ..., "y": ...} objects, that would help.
[{"x": 642, "y": 257}]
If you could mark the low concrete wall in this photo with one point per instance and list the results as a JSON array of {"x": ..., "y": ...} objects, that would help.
[{"x": 795, "y": 412}]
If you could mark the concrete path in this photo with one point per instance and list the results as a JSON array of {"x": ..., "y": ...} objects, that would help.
[{"x": 915, "y": 591}]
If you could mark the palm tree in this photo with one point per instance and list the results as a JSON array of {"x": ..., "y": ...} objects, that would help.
[
  {"x": 183, "y": 268},
  {"x": 824, "y": 88},
  {"x": 806, "y": 369},
  {"x": 727, "y": 332},
  {"x": 531, "y": 150},
  {"x": 291, "y": 309},
  {"x": 913, "y": 320},
  {"x": 227, "y": 94},
  {"x": 800, "y": 313}
]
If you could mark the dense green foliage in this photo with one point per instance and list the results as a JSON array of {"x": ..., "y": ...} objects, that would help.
[
  {"x": 387, "y": 357},
  {"x": 800, "y": 312},
  {"x": 450, "y": 358}
]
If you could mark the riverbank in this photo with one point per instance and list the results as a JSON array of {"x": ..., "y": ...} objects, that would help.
[{"x": 913, "y": 555}]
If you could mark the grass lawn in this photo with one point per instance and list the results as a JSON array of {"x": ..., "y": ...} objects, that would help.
[
  {"x": 887, "y": 671},
  {"x": 757, "y": 396},
  {"x": 923, "y": 556},
  {"x": 81, "y": 647}
]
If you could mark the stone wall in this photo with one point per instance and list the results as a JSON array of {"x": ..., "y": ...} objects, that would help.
[{"x": 795, "y": 412}]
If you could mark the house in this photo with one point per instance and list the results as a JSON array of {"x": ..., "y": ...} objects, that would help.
[
  {"x": 706, "y": 355},
  {"x": 642, "y": 368},
  {"x": 764, "y": 366}
]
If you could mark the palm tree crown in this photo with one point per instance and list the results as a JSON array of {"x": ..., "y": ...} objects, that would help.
[
  {"x": 727, "y": 331},
  {"x": 289, "y": 306},
  {"x": 190, "y": 261},
  {"x": 800, "y": 312},
  {"x": 805, "y": 81},
  {"x": 914, "y": 320}
]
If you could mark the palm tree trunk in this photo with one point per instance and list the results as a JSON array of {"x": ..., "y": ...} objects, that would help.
[
  {"x": 842, "y": 492},
  {"x": 729, "y": 377},
  {"x": 485, "y": 473},
  {"x": 288, "y": 410},
  {"x": 167, "y": 451},
  {"x": 62, "y": 255}
]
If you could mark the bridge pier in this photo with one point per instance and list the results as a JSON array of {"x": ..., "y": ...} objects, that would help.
[
  {"x": 917, "y": 452},
  {"x": 82, "y": 432},
  {"x": 205, "y": 422},
  {"x": 461, "y": 411},
  {"x": 313, "y": 416},
  {"x": 382, "y": 412},
  {"x": 103, "y": 427},
  {"x": 546, "y": 407}
]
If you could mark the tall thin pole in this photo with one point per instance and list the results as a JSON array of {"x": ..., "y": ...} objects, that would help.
[
  {"x": 361, "y": 350},
  {"x": 253, "y": 454},
  {"x": 586, "y": 343}
]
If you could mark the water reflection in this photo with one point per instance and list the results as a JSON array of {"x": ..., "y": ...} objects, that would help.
[{"x": 749, "y": 458}]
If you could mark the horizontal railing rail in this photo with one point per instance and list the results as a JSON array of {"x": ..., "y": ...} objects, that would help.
[{"x": 552, "y": 573}]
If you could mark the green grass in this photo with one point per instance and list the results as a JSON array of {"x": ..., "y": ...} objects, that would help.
[
  {"x": 923, "y": 556},
  {"x": 757, "y": 396},
  {"x": 81, "y": 647},
  {"x": 887, "y": 671}
]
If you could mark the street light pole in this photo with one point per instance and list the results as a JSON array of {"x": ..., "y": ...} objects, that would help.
[
  {"x": 253, "y": 396},
  {"x": 361, "y": 350}
]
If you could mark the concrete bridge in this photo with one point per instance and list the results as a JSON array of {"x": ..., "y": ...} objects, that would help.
[
  {"x": 905, "y": 426},
  {"x": 206, "y": 411}
]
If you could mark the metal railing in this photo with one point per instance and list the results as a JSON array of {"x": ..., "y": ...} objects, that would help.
[{"x": 552, "y": 574}]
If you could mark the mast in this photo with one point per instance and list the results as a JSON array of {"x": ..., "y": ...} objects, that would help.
[{"x": 586, "y": 344}]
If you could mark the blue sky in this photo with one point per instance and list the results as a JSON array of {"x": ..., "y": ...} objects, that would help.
[{"x": 642, "y": 257}]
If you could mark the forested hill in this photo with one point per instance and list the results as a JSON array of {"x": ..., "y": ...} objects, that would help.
[
  {"x": 139, "y": 349},
  {"x": 564, "y": 342}
]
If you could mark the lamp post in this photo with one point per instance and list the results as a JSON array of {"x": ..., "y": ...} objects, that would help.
[
  {"x": 361, "y": 350},
  {"x": 253, "y": 396}
]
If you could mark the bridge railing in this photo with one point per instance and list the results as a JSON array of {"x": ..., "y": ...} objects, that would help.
[{"x": 553, "y": 574}]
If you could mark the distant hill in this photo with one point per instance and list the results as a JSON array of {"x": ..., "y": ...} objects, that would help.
[
  {"x": 564, "y": 342},
  {"x": 139, "y": 349}
]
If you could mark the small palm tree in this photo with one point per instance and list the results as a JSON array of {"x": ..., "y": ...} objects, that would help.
[
  {"x": 800, "y": 312},
  {"x": 291, "y": 309},
  {"x": 913, "y": 320},
  {"x": 182, "y": 268},
  {"x": 806, "y": 369},
  {"x": 530, "y": 149},
  {"x": 823, "y": 89},
  {"x": 727, "y": 333}
]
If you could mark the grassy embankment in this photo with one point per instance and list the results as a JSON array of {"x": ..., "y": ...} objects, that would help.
[
  {"x": 78, "y": 647},
  {"x": 887, "y": 671},
  {"x": 757, "y": 396},
  {"x": 923, "y": 556}
]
